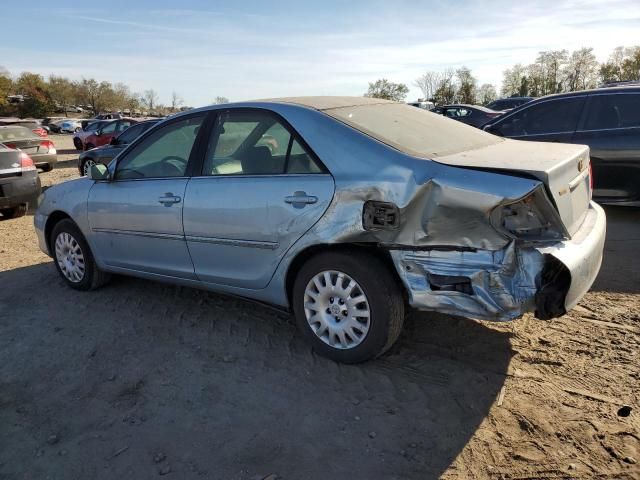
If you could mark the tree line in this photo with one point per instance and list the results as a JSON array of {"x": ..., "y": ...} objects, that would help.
[
  {"x": 44, "y": 96},
  {"x": 554, "y": 71}
]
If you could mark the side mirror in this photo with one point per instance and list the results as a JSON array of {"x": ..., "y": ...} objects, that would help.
[
  {"x": 98, "y": 133},
  {"x": 99, "y": 172},
  {"x": 114, "y": 141}
]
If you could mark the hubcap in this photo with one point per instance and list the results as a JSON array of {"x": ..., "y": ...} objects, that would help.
[
  {"x": 337, "y": 309},
  {"x": 87, "y": 166},
  {"x": 70, "y": 257}
]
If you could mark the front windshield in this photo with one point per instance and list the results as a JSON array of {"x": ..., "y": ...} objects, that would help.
[{"x": 414, "y": 131}]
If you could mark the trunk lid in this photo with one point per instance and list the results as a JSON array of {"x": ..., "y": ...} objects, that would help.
[
  {"x": 9, "y": 163},
  {"x": 563, "y": 168}
]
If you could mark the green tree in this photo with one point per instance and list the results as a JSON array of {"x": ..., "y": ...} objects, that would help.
[
  {"x": 62, "y": 91},
  {"x": 37, "y": 101},
  {"x": 6, "y": 86},
  {"x": 467, "y": 86},
  {"x": 387, "y": 90}
]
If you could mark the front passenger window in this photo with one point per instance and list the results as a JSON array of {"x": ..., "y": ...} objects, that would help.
[{"x": 164, "y": 153}]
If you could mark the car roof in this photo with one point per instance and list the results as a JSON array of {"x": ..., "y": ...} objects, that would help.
[
  {"x": 326, "y": 103},
  {"x": 593, "y": 91}
]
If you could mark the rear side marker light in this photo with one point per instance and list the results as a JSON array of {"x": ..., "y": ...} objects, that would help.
[{"x": 48, "y": 144}]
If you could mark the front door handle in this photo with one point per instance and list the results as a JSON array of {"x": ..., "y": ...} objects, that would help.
[
  {"x": 300, "y": 199},
  {"x": 169, "y": 199}
]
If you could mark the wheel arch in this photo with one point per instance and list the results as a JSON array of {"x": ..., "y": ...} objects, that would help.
[
  {"x": 54, "y": 218},
  {"x": 361, "y": 248}
]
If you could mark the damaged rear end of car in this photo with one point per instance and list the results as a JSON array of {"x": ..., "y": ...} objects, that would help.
[{"x": 475, "y": 225}]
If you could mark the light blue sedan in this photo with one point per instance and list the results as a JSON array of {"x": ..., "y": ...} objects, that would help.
[{"x": 346, "y": 211}]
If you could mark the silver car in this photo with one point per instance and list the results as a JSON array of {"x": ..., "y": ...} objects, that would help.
[{"x": 346, "y": 211}]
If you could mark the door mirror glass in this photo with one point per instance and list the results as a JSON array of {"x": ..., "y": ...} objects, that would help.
[
  {"x": 114, "y": 141},
  {"x": 99, "y": 172}
]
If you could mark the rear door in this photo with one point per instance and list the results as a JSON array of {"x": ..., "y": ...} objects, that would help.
[
  {"x": 612, "y": 130},
  {"x": 259, "y": 191},
  {"x": 552, "y": 120}
]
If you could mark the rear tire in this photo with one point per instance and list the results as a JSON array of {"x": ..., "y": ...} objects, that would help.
[
  {"x": 77, "y": 143},
  {"x": 73, "y": 258},
  {"x": 86, "y": 167},
  {"x": 14, "y": 212},
  {"x": 357, "y": 314},
  {"x": 47, "y": 167}
]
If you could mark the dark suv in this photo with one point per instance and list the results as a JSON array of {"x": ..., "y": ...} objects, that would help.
[{"x": 606, "y": 119}]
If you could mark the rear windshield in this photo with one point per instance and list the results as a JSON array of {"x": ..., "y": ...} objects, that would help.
[
  {"x": 411, "y": 130},
  {"x": 14, "y": 133}
]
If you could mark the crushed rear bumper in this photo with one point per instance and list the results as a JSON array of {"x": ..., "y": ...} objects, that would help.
[{"x": 503, "y": 285}]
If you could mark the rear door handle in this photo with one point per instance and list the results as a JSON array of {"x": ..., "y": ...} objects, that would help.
[
  {"x": 300, "y": 199},
  {"x": 169, "y": 199}
]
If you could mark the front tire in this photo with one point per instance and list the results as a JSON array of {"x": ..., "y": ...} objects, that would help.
[
  {"x": 47, "y": 167},
  {"x": 73, "y": 258},
  {"x": 86, "y": 167},
  {"x": 348, "y": 305}
]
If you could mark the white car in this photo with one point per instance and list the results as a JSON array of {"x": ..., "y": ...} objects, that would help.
[{"x": 70, "y": 125}]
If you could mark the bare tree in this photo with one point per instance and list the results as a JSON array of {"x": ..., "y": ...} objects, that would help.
[
  {"x": 428, "y": 83},
  {"x": 512, "y": 80},
  {"x": 446, "y": 91},
  {"x": 149, "y": 99},
  {"x": 581, "y": 71},
  {"x": 486, "y": 94},
  {"x": 218, "y": 100},
  {"x": 176, "y": 101}
]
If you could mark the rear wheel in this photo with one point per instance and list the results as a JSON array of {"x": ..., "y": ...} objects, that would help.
[
  {"x": 73, "y": 258},
  {"x": 14, "y": 212},
  {"x": 47, "y": 167},
  {"x": 77, "y": 143},
  {"x": 348, "y": 305}
]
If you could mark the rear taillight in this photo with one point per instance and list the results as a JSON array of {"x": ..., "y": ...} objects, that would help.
[
  {"x": 10, "y": 145},
  {"x": 40, "y": 131},
  {"x": 26, "y": 163},
  {"x": 48, "y": 144}
]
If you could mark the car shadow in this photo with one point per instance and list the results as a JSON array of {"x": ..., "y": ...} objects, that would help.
[
  {"x": 620, "y": 270},
  {"x": 220, "y": 386},
  {"x": 69, "y": 151}
]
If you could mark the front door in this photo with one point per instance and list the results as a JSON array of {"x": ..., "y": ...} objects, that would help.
[
  {"x": 136, "y": 219},
  {"x": 260, "y": 190}
]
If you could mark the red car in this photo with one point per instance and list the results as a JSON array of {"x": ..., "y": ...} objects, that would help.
[{"x": 105, "y": 133}]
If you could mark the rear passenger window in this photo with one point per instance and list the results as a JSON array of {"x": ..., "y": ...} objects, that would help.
[
  {"x": 248, "y": 142},
  {"x": 613, "y": 111},
  {"x": 554, "y": 116}
]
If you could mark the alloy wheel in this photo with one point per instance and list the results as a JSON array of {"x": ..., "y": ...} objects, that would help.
[
  {"x": 70, "y": 257},
  {"x": 337, "y": 309},
  {"x": 86, "y": 167}
]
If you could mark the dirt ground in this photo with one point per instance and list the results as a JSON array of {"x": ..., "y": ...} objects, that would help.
[{"x": 139, "y": 380}]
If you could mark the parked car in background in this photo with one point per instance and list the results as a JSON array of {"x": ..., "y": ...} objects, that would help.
[
  {"x": 19, "y": 182},
  {"x": 605, "y": 119},
  {"x": 362, "y": 208},
  {"x": 80, "y": 135},
  {"x": 105, "y": 132},
  {"x": 70, "y": 126},
  {"x": 474, "y": 115},
  {"x": 102, "y": 116},
  {"x": 422, "y": 104},
  {"x": 30, "y": 123},
  {"x": 106, "y": 153},
  {"x": 509, "y": 103},
  {"x": 41, "y": 150},
  {"x": 50, "y": 123}
]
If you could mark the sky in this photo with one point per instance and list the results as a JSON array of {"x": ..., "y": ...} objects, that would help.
[{"x": 246, "y": 49}]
